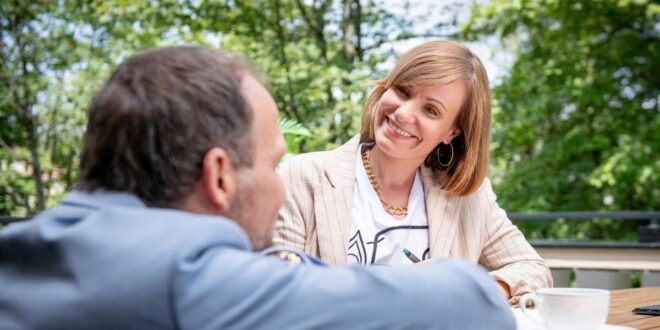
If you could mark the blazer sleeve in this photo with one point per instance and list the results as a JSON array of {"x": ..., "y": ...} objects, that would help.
[
  {"x": 229, "y": 288},
  {"x": 290, "y": 228},
  {"x": 507, "y": 254}
]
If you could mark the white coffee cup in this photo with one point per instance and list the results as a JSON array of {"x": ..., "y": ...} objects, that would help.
[{"x": 569, "y": 308}]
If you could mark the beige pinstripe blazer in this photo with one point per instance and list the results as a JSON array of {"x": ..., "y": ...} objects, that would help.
[{"x": 317, "y": 213}]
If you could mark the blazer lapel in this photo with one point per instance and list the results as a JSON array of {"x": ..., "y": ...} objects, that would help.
[
  {"x": 441, "y": 214},
  {"x": 333, "y": 200}
]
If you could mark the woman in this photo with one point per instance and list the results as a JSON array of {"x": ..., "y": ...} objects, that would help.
[{"x": 415, "y": 178}]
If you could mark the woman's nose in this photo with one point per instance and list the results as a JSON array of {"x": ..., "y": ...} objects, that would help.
[{"x": 405, "y": 113}]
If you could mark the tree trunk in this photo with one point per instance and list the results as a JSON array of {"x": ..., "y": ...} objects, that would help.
[
  {"x": 349, "y": 31},
  {"x": 285, "y": 62},
  {"x": 36, "y": 160}
]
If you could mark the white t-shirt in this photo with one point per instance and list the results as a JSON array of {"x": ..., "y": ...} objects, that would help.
[{"x": 378, "y": 238}]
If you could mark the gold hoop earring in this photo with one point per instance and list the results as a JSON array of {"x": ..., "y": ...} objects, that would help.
[{"x": 451, "y": 159}]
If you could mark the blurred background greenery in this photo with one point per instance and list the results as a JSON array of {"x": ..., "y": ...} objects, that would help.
[{"x": 576, "y": 86}]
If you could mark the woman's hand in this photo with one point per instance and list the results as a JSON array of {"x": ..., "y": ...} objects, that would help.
[{"x": 506, "y": 291}]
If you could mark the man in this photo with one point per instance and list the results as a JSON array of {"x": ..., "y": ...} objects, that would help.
[{"x": 178, "y": 166}]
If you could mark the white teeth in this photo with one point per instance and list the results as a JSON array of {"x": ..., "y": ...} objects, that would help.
[
  {"x": 404, "y": 133},
  {"x": 398, "y": 130}
]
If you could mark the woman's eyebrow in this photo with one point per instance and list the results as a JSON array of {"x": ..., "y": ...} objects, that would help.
[{"x": 442, "y": 104}]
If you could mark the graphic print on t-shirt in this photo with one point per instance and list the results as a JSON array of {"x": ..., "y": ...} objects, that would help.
[
  {"x": 375, "y": 236},
  {"x": 366, "y": 253},
  {"x": 356, "y": 249}
]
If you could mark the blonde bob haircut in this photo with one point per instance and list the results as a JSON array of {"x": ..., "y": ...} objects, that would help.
[{"x": 438, "y": 63}]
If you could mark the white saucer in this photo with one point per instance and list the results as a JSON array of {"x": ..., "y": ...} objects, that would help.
[
  {"x": 616, "y": 327},
  {"x": 524, "y": 323}
]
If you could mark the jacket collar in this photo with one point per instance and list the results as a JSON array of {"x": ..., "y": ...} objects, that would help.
[
  {"x": 340, "y": 166},
  {"x": 101, "y": 198}
]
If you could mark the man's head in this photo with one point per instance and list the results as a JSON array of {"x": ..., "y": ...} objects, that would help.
[{"x": 188, "y": 128}]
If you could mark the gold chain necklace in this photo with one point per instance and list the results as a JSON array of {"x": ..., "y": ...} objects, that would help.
[{"x": 394, "y": 210}]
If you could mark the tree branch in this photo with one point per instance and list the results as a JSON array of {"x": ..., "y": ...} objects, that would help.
[
  {"x": 317, "y": 28},
  {"x": 306, "y": 18}
]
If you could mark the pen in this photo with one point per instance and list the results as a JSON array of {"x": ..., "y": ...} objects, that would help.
[{"x": 411, "y": 256}]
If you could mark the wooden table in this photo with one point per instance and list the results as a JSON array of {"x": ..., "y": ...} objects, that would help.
[{"x": 623, "y": 301}]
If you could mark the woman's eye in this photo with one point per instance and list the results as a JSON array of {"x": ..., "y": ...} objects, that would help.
[
  {"x": 431, "y": 111},
  {"x": 403, "y": 91}
]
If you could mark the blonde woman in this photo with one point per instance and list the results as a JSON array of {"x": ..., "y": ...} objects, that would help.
[{"x": 414, "y": 179}]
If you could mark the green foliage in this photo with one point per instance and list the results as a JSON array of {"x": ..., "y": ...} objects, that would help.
[
  {"x": 294, "y": 134},
  {"x": 577, "y": 123},
  {"x": 316, "y": 77},
  {"x": 54, "y": 55},
  {"x": 316, "y": 55}
]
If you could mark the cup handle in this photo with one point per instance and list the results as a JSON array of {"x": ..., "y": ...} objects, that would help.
[{"x": 522, "y": 303}]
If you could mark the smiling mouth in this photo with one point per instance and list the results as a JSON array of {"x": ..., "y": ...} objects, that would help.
[{"x": 397, "y": 129}]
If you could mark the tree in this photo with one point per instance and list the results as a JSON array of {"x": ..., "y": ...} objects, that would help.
[
  {"x": 53, "y": 54},
  {"x": 36, "y": 46},
  {"x": 316, "y": 54},
  {"x": 577, "y": 123}
]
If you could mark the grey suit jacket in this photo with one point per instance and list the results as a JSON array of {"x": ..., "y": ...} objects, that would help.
[
  {"x": 105, "y": 261},
  {"x": 317, "y": 213}
]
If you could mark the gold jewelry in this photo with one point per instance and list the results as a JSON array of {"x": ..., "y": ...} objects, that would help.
[
  {"x": 394, "y": 210},
  {"x": 451, "y": 159}
]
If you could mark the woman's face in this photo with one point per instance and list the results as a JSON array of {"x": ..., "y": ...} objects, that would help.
[{"x": 412, "y": 120}]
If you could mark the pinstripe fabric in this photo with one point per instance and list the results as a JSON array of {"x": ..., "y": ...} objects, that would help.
[{"x": 317, "y": 213}]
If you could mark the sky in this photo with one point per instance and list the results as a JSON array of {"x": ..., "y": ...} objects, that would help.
[{"x": 492, "y": 53}]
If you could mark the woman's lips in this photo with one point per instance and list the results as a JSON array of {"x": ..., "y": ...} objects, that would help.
[{"x": 398, "y": 130}]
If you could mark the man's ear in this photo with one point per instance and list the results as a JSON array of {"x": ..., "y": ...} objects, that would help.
[
  {"x": 454, "y": 132},
  {"x": 218, "y": 179}
]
